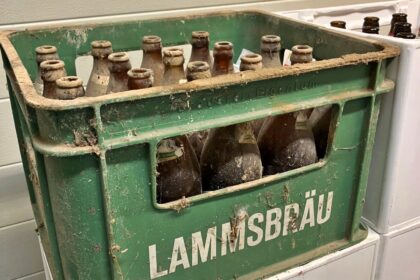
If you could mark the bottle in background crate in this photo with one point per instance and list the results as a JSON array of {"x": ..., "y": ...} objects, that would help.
[
  {"x": 139, "y": 78},
  {"x": 51, "y": 71},
  {"x": 402, "y": 27},
  {"x": 222, "y": 54},
  {"x": 152, "y": 57},
  {"x": 270, "y": 51},
  {"x": 371, "y": 25},
  {"x": 43, "y": 53},
  {"x": 99, "y": 77},
  {"x": 338, "y": 24},
  {"x": 200, "y": 47},
  {"x": 230, "y": 154},
  {"x": 178, "y": 170},
  {"x": 198, "y": 70},
  {"x": 69, "y": 87},
  {"x": 397, "y": 17},
  {"x": 118, "y": 64},
  {"x": 173, "y": 59},
  {"x": 301, "y": 54}
]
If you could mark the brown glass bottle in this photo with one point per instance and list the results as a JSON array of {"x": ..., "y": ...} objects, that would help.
[
  {"x": 301, "y": 54},
  {"x": 43, "y": 53},
  {"x": 371, "y": 25},
  {"x": 286, "y": 143},
  {"x": 338, "y": 23},
  {"x": 406, "y": 35},
  {"x": 222, "y": 54},
  {"x": 320, "y": 120},
  {"x": 69, "y": 87},
  {"x": 51, "y": 71},
  {"x": 178, "y": 170},
  {"x": 402, "y": 27},
  {"x": 152, "y": 57},
  {"x": 397, "y": 17},
  {"x": 198, "y": 70},
  {"x": 118, "y": 64},
  {"x": 270, "y": 51},
  {"x": 99, "y": 77},
  {"x": 173, "y": 59},
  {"x": 139, "y": 78},
  {"x": 200, "y": 47}
]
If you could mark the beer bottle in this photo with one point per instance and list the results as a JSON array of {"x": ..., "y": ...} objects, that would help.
[
  {"x": 173, "y": 59},
  {"x": 69, "y": 87},
  {"x": 402, "y": 27},
  {"x": 198, "y": 70},
  {"x": 338, "y": 24},
  {"x": 99, "y": 77},
  {"x": 152, "y": 57},
  {"x": 406, "y": 35},
  {"x": 139, "y": 78},
  {"x": 222, "y": 54},
  {"x": 43, "y": 53},
  {"x": 286, "y": 142},
  {"x": 270, "y": 51},
  {"x": 178, "y": 170},
  {"x": 397, "y": 17},
  {"x": 200, "y": 47},
  {"x": 301, "y": 54},
  {"x": 118, "y": 64},
  {"x": 371, "y": 25},
  {"x": 230, "y": 155},
  {"x": 51, "y": 71}
]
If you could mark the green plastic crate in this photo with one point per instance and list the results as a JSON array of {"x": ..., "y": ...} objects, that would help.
[{"x": 90, "y": 163}]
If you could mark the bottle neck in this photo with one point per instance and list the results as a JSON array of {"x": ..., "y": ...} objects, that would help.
[
  {"x": 49, "y": 90},
  {"x": 222, "y": 65},
  {"x": 173, "y": 74},
  {"x": 271, "y": 59}
]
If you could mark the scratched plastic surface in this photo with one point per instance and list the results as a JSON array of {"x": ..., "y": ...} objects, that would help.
[{"x": 90, "y": 163}]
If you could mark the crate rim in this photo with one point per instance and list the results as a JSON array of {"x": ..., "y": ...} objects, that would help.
[{"x": 34, "y": 100}]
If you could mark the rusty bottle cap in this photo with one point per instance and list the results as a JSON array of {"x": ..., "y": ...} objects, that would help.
[
  {"x": 69, "y": 87},
  {"x": 198, "y": 70},
  {"x": 301, "y": 54},
  {"x": 251, "y": 62},
  {"x": 139, "y": 78},
  {"x": 338, "y": 24}
]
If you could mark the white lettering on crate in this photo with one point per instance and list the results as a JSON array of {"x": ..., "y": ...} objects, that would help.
[{"x": 234, "y": 233}]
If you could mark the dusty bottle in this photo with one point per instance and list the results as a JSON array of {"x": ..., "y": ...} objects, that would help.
[
  {"x": 43, "y": 53},
  {"x": 286, "y": 142},
  {"x": 371, "y": 25},
  {"x": 51, "y": 71},
  {"x": 152, "y": 57},
  {"x": 173, "y": 59},
  {"x": 397, "y": 17},
  {"x": 406, "y": 35},
  {"x": 222, "y": 54},
  {"x": 178, "y": 170},
  {"x": 69, "y": 87},
  {"x": 99, "y": 77},
  {"x": 270, "y": 51},
  {"x": 118, "y": 64},
  {"x": 200, "y": 47},
  {"x": 301, "y": 54},
  {"x": 139, "y": 78},
  {"x": 402, "y": 27},
  {"x": 338, "y": 24},
  {"x": 319, "y": 121},
  {"x": 198, "y": 70}
]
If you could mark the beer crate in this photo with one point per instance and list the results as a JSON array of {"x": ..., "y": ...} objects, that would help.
[{"x": 90, "y": 163}]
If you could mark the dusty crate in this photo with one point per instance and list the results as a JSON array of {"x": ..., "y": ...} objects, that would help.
[{"x": 90, "y": 162}]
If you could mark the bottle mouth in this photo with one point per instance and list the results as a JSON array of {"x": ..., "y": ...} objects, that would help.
[
  {"x": 223, "y": 45},
  {"x": 53, "y": 64},
  {"x": 151, "y": 39},
  {"x": 270, "y": 39},
  {"x": 198, "y": 66},
  {"x": 118, "y": 57},
  {"x": 140, "y": 73},
  {"x": 69, "y": 82},
  {"x": 372, "y": 20},
  {"x": 101, "y": 44},
  {"x": 173, "y": 52},
  {"x": 302, "y": 49},
  {"x": 251, "y": 58},
  {"x": 399, "y": 15},
  {"x": 46, "y": 49},
  {"x": 200, "y": 35}
]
